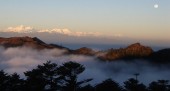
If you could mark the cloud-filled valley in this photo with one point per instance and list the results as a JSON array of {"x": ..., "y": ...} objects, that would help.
[
  {"x": 21, "y": 59},
  {"x": 85, "y": 45}
]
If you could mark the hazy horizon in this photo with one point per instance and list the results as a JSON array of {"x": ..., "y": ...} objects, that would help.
[{"x": 114, "y": 21}]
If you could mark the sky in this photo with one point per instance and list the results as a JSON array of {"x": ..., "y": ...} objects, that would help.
[{"x": 136, "y": 19}]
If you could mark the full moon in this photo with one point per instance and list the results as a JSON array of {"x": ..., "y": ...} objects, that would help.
[{"x": 156, "y": 6}]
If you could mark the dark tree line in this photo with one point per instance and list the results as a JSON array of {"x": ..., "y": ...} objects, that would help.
[{"x": 53, "y": 77}]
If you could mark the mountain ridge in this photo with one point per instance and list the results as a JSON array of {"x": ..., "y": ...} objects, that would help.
[
  {"x": 133, "y": 51},
  {"x": 26, "y": 41}
]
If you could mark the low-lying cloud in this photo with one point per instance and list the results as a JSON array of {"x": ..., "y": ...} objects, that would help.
[{"x": 22, "y": 59}]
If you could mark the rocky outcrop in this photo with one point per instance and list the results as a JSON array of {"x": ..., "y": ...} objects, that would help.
[
  {"x": 131, "y": 52},
  {"x": 138, "y": 50}
]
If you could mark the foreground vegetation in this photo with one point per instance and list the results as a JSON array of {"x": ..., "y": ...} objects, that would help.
[{"x": 54, "y": 77}]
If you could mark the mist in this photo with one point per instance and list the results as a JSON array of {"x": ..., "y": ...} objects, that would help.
[{"x": 21, "y": 59}]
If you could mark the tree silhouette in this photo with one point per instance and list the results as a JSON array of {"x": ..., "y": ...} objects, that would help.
[
  {"x": 160, "y": 85},
  {"x": 134, "y": 85},
  {"x": 4, "y": 81},
  {"x": 10, "y": 82},
  {"x": 87, "y": 88},
  {"x": 70, "y": 72},
  {"x": 44, "y": 78},
  {"x": 51, "y": 77},
  {"x": 108, "y": 85},
  {"x": 15, "y": 83}
]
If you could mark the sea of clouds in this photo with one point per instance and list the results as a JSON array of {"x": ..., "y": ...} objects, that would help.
[{"x": 21, "y": 59}]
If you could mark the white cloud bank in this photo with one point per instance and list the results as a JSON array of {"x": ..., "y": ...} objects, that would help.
[{"x": 22, "y": 59}]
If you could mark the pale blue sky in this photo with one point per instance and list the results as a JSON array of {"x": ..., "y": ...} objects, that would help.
[{"x": 132, "y": 18}]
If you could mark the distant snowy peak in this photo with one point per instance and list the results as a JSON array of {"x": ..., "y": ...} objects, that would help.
[
  {"x": 56, "y": 30},
  {"x": 65, "y": 31},
  {"x": 20, "y": 29}
]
